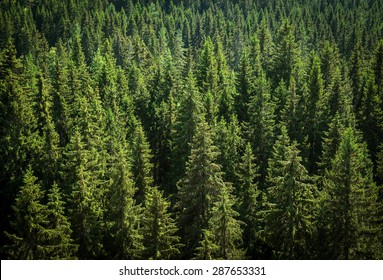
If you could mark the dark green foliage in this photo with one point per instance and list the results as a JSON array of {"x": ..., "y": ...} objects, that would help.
[
  {"x": 349, "y": 202},
  {"x": 107, "y": 100},
  {"x": 124, "y": 233},
  {"x": 290, "y": 207},
  {"x": 199, "y": 188},
  {"x": 85, "y": 204},
  {"x": 142, "y": 167},
  {"x": 261, "y": 111},
  {"x": 248, "y": 197},
  {"x": 41, "y": 231}
]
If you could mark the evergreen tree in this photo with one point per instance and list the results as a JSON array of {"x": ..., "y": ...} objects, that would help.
[
  {"x": 160, "y": 237},
  {"x": 61, "y": 245},
  {"x": 228, "y": 140},
  {"x": 199, "y": 188},
  {"x": 261, "y": 124},
  {"x": 248, "y": 198},
  {"x": 142, "y": 167},
  {"x": 187, "y": 116},
  {"x": 208, "y": 249},
  {"x": 85, "y": 197},
  {"x": 124, "y": 216},
  {"x": 225, "y": 228},
  {"x": 315, "y": 116},
  {"x": 290, "y": 207},
  {"x": 245, "y": 86},
  {"x": 350, "y": 202},
  {"x": 31, "y": 222},
  {"x": 286, "y": 55}
]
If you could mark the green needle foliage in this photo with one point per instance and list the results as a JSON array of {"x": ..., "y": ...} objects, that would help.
[
  {"x": 160, "y": 230},
  {"x": 191, "y": 129}
]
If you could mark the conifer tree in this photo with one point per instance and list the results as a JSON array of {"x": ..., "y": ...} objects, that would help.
[
  {"x": 371, "y": 116},
  {"x": 125, "y": 236},
  {"x": 248, "y": 198},
  {"x": 61, "y": 245},
  {"x": 225, "y": 227},
  {"x": 187, "y": 116},
  {"x": 228, "y": 140},
  {"x": 49, "y": 160},
  {"x": 29, "y": 240},
  {"x": 160, "y": 236},
  {"x": 84, "y": 181},
  {"x": 267, "y": 46},
  {"x": 350, "y": 201},
  {"x": 377, "y": 66},
  {"x": 245, "y": 85},
  {"x": 286, "y": 55},
  {"x": 315, "y": 116},
  {"x": 261, "y": 124},
  {"x": 199, "y": 188},
  {"x": 208, "y": 249},
  {"x": 142, "y": 166},
  {"x": 290, "y": 206}
]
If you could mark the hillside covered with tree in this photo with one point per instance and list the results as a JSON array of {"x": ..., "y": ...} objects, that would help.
[{"x": 246, "y": 129}]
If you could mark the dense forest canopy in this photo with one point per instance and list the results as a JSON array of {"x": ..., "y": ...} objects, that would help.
[{"x": 247, "y": 129}]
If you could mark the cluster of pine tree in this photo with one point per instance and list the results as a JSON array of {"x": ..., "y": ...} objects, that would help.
[{"x": 134, "y": 129}]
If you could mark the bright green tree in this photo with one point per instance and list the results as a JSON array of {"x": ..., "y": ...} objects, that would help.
[
  {"x": 30, "y": 225},
  {"x": 226, "y": 228},
  {"x": 124, "y": 216},
  {"x": 290, "y": 207},
  {"x": 61, "y": 245},
  {"x": 160, "y": 230}
]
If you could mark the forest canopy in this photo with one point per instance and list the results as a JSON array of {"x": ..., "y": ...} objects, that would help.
[{"x": 247, "y": 129}]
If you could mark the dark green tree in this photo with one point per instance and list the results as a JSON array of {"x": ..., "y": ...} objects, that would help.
[
  {"x": 261, "y": 111},
  {"x": 188, "y": 114},
  {"x": 249, "y": 199},
  {"x": 124, "y": 216},
  {"x": 142, "y": 166},
  {"x": 199, "y": 189},
  {"x": 84, "y": 182},
  {"x": 349, "y": 202}
]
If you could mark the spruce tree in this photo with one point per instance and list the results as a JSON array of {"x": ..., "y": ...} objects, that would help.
[
  {"x": 142, "y": 166},
  {"x": 84, "y": 183},
  {"x": 350, "y": 201},
  {"x": 261, "y": 111},
  {"x": 160, "y": 230},
  {"x": 30, "y": 225},
  {"x": 124, "y": 215},
  {"x": 287, "y": 54},
  {"x": 61, "y": 245},
  {"x": 225, "y": 227},
  {"x": 248, "y": 199},
  {"x": 187, "y": 116},
  {"x": 198, "y": 189},
  {"x": 315, "y": 115},
  {"x": 290, "y": 206}
]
